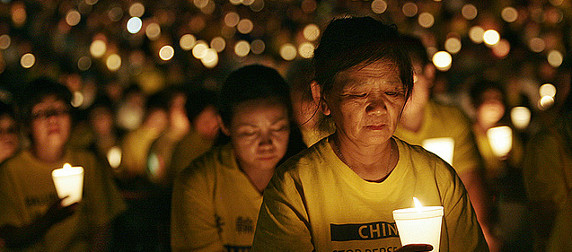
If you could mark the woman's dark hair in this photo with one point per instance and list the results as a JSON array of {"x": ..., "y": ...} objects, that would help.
[
  {"x": 39, "y": 89},
  {"x": 351, "y": 41},
  {"x": 257, "y": 82},
  {"x": 250, "y": 83},
  {"x": 198, "y": 100},
  {"x": 7, "y": 110}
]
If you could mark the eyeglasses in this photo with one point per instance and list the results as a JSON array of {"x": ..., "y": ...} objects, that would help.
[{"x": 45, "y": 114}]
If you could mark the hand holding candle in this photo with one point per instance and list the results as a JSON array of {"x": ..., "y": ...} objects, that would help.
[
  {"x": 419, "y": 225},
  {"x": 69, "y": 182}
]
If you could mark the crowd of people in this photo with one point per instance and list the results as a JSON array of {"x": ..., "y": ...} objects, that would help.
[{"x": 290, "y": 162}]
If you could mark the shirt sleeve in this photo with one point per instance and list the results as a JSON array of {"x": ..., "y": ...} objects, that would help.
[
  {"x": 283, "y": 220},
  {"x": 193, "y": 221}
]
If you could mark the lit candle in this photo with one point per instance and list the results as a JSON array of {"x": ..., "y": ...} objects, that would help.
[
  {"x": 69, "y": 182},
  {"x": 419, "y": 225},
  {"x": 500, "y": 139},
  {"x": 442, "y": 147},
  {"x": 520, "y": 117}
]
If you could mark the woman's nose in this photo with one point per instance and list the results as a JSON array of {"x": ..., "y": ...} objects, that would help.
[{"x": 376, "y": 106}]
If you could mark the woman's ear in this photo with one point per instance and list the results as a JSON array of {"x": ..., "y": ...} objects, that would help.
[
  {"x": 318, "y": 99},
  {"x": 222, "y": 127}
]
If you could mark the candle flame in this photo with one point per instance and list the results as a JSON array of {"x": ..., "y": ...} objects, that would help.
[
  {"x": 417, "y": 203},
  {"x": 67, "y": 166}
]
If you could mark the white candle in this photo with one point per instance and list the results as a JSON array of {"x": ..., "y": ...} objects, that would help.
[
  {"x": 500, "y": 139},
  {"x": 442, "y": 147},
  {"x": 69, "y": 182},
  {"x": 419, "y": 225}
]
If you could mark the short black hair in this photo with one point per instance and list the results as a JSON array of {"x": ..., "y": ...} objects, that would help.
[
  {"x": 39, "y": 89},
  {"x": 482, "y": 85},
  {"x": 198, "y": 100},
  {"x": 350, "y": 41},
  {"x": 250, "y": 83}
]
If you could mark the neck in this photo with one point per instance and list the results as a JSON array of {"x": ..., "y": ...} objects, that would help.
[
  {"x": 371, "y": 163},
  {"x": 48, "y": 155},
  {"x": 258, "y": 177}
]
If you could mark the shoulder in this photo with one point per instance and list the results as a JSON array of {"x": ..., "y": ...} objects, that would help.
[{"x": 208, "y": 163}]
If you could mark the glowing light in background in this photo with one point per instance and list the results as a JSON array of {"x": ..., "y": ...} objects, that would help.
[
  {"x": 209, "y": 8},
  {"x": 210, "y": 59},
  {"x": 73, "y": 17},
  {"x": 134, "y": 25},
  {"x": 200, "y": 49},
  {"x": 153, "y": 31},
  {"x": 114, "y": 157},
  {"x": 547, "y": 89},
  {"x": 5, "y": 41},
  {"x": 115, "y": 14},
  {"x": 469, "y": 11},
  {"x": 378, "y": 6},
  {"x": 113, "y": 62},
  {"x": 231, "y": 19},
  {"x": 77, "y": 99},
  {"x": 166, "y": 52},
  {"x": 257, "y": 5},
  {"x": 545, "y": 102},
  {"x": 476, "y": 34},
  {"x": 491, "y": 37},
  {"x": 18, "y": 13},
  {"x": 555, "y": 58},
  {"x": 202, "y": 3},
  {"x": 27, "y": 60},
  {"x": 288, "y": 51},
  {"x": 500, "y": 139},
  {"x": 137, "y": 10},
  {"x": 245, "y": 26},
  {"x": 501, "y": 49},
  {"x": 409, "y": 9},
  {"x": 536, "y": 45},
  {"x": 91, "y": 2},
  {"x": 309, "y": 6},
  {"x": 84, "y": 63},
  {"x": 444, "y": 147},
  {"x": 426, "y": 20},
  {"x": 306, "y": 50},
  {"x": 97, "y": 48},
  {"x": 442, "y": 60},
  {"x": 311, "y": 32},
  {"x": 187, "y": 42},
  {"x": 520, "y": 117},
  {"x": 453, "y": 45},
  {"x": 218, "y": 44},
  {"x": 257, "y": 46},
  {"x": 241, "y": 48},
  {"x": 509, "y": 14}
]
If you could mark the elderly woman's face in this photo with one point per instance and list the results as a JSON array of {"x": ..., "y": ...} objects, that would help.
[{"x": 366, "y": 102}]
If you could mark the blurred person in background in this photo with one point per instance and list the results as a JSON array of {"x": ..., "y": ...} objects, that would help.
[
  {"x": 306, "y": 112},
  {"x": 547, "y": 174},
  {"x": 425, "y": 119},
  {"x": 9, "y": 132},
  {"x": 216, "y": 199},
  {"x": 339, "y": 194},
  {"x": 502, "y": 173},
  {"x": 32, "y": 216}
]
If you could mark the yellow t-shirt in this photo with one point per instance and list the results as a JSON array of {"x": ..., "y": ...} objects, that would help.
[
  {"x": 215, "y": 206},
  {"x": 189, "y": 148},
  {"x": 316, "y": 202},
  {"x": 27, "y": 190},
  {"x": 447, "y": 121}
]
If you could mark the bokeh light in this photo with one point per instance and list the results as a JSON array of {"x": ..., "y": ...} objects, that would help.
[
  {"x": 509, "y": 14},
  {"x": 27, "y": 60},
  {"x": 501, "y": 49},
  {"x": 77, "y": 99},
  {"x": 547, "y": 89},
  {"x": 73, "y": 17},
  {"x": 18, "y": 13},
  {"x": 218, "y": 44},
  {"x": 288, "y": 51},
  {"x": 97, "y": 48},
  {"x": 5, "y": 41},
  {"x": 210, "y": 59},
  {"x": 442, "y": 60},
  {"x": 153, "y": 31},
  {"x": 545, "y": 102},
  {"x": 409, "y": 9},
  {"x": 231, "y": 19},
  {"x": 469, "y": 11},
  {"x": 137, "y": 10},
  {"x": 84, "y": 63},
  {"x": 187, "y": 42},
  {"x": 114, "y": 157},
  {"x": 555, "y": 58},
  {"x": 476, "y": 34},
  {"x": 166, "y": 52},
  {"x": 113, "y": 62},
  {"x": 257, "y": 5},
  {"x": 536, "y": 45},
  {"x": 426, "y": 20},
  {"x": 134, "y": 25},
  {"x": 244, "y": 26},
  {"x": 306, "y": 50},
  {"x": 200, "y": 49},
  {"x": 242, "y": 48},
  {"x": 453, "y": 45},
  {"x": 115, "y": 14},
  {"x": 378, "y": 6},
  {"x": 520, "y": 117},
  {"x": 258, "y": 46},
  {"x": 311, "y": 32},
  {"x": 491, "y": 37}
]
